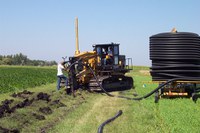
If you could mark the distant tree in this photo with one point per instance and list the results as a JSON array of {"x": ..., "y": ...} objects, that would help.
[
  {"x": 1, "y": 62},
  {"x": 20, "y": 59},
  {"x": 7, "y": 61}
]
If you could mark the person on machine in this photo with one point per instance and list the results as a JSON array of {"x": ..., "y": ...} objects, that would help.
[
  {"x": 109, "y": 57},
  {"x": 60, "y": 75}
]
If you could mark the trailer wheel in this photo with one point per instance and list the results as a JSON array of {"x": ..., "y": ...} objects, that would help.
[{"x": 194, "y": 97}]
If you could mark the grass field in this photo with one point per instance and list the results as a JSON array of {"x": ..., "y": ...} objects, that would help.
[
  {"x": 84, "y": 113},
  {"x": 169, "y": 115}
]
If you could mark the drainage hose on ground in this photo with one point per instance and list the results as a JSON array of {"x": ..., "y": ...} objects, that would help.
[
  {"x": 142, "y": 97},
  {"x": 148, "y": 94},
  {"x": 100, "y": 129}
]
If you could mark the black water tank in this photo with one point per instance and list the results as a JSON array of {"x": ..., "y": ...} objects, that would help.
[{"x": 174, "y": 55}]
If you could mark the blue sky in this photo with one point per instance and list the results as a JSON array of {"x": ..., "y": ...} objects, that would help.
[{"x": 44, "y": 29}]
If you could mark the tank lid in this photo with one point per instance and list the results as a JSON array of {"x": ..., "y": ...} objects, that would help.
[{"x": 175, "y": 34}]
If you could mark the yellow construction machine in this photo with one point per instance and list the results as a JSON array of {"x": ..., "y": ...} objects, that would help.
[{"x": 103, "y": 66}]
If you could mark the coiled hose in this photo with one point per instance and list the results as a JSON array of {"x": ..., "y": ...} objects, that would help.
[{"x": 174, "y": 55}]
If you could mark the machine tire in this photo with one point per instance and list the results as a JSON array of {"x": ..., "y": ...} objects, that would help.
[{"x": 194, "y": 97}]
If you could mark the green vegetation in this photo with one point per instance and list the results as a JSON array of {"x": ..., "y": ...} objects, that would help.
[
  {"x": 18, "y": 78},
  {"x": 85, "y": 112},
  {"x": 178, "y": 115}
]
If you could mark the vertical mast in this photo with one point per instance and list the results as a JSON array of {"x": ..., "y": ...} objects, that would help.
[{"x": 77, "y": 42}]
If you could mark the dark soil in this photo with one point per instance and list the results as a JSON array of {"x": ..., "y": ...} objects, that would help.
[
  {"x": 5, "y": 107},
  {"x": 58, "y": 103},
  {"x": 5, "y": 130},
  {"x": 7, "y": 101},
  {"x": 41, "y": 104},
  {"x": 46, "y": 110},
  {"x": 43, "y": 96},
  {"x": 23, "y": 94},
  {"x": 24, "y": 103},
  {"x": 38, "y": 116}
]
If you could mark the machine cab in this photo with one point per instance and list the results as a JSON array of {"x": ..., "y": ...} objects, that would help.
[{"x": 108, "y": 56}]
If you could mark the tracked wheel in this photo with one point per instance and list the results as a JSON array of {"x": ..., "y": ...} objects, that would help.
[{"x": 113, "y": 83}]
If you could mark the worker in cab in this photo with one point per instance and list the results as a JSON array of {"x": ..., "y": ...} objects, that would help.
[
  {"x": 109, "y": 57},
  {"x": 60, "y": 75}
]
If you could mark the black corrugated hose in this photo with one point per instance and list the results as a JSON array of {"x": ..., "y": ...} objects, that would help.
[
  {"x": 174, "y": 55},
  {"x": 148, "y": 94},
  {"x": 100, "y": 129},
  {"x": 142, "y": 97},
  {"x": 137, "y": 98}
]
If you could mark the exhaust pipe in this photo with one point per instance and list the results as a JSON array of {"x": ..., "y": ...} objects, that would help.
[{"x": 77, "y": 42}]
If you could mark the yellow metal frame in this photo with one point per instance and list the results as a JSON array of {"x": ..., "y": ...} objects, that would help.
[
  {"x": 175, "y": 94},
  {"x": 172, "y": 92},
  {"x": 156, "y": 82}
]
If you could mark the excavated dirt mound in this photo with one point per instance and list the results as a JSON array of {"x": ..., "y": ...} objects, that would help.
[
  {"x": 23, "y": 94},
  {"x": 43, "y": 96},
  {"x": 58, "y": 103},
  {"x": 24, "y": 103},
  {"x": 5, "y": 107},
  {"x": 5, "y": 130},
  {"x": 38, "y": 104},
  {"x": 7, "y": 101},
  {"x": 38, "y": 116},
  {"x": 46, "y": 110}
]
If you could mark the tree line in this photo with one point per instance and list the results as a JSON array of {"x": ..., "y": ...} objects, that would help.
[{"x": 20, "y": 59}]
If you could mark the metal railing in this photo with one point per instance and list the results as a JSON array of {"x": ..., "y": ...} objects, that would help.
[{"x": 129, "y": 63}]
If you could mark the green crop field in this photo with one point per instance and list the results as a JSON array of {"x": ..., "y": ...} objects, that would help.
[
  {"x": 18, "y": 78},
  {"x": 85, "y": 112}
]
